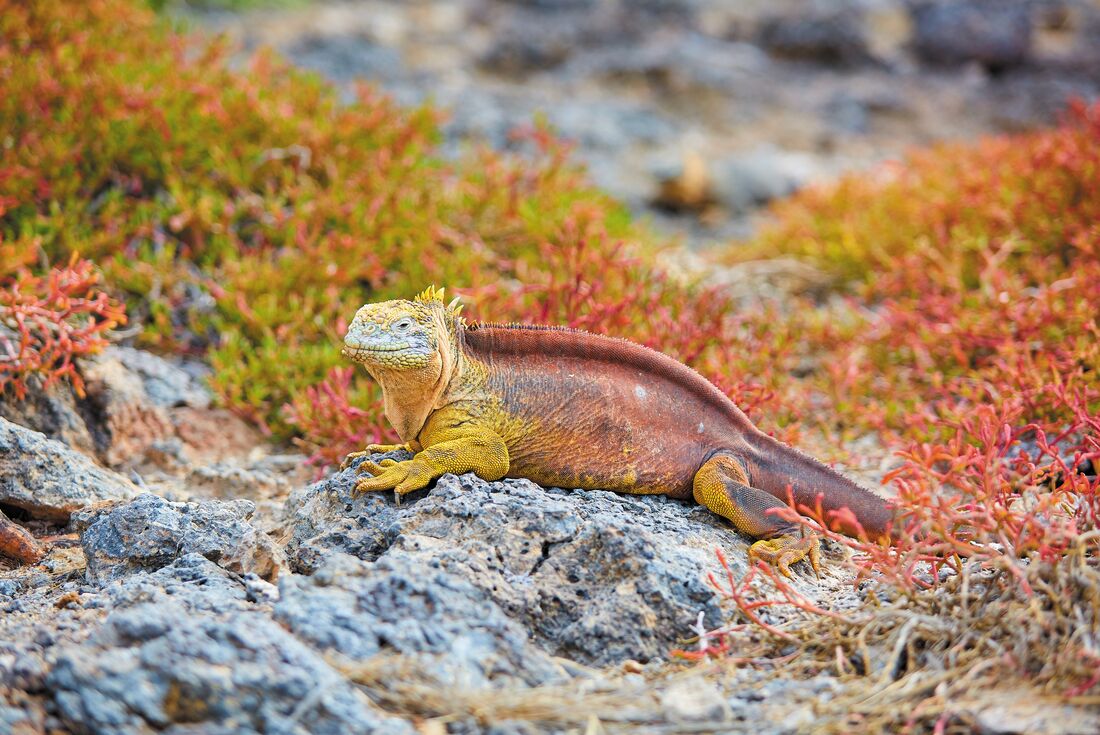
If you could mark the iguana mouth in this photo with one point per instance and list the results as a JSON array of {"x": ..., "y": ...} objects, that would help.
[{"x": 356, "y": 351}]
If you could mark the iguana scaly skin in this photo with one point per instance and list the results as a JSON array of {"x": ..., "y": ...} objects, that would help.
[{"x": 565, "y": 408}]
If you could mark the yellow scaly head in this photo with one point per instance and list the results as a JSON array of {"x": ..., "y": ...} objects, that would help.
[{"x": 402, "y": 334}]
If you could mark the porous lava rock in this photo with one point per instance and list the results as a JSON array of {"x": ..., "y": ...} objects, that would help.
[
  {"x": 151, "y": 532},
  {"x": 48, "y": 480},
  {"x": 593, "y": 576}
]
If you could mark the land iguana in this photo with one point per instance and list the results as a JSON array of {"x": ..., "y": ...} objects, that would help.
[{"x": 567, "y": 408}]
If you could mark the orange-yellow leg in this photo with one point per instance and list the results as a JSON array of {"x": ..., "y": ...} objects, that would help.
[
  {"x": 468, "y": 449},
  {"x": 785, "y": 550},
  {"x": 722, "y": 485}
]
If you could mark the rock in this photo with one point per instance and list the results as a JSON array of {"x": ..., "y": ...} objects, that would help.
[
  {"x": 683, "y": 183},
  {"x": 150, "y": 532},
  {"x": 346, "y": 57},
  {"x": 1005, "y": 712},
  {"x": 994, "y": 33},
  {"x": 835, "y": 37},
  {"x": 745, "y": 181},
  {"x": 593, "y": 576},
  {"x": 554, "y": 5},
  {"x": 738, "y": 183},
  {"x": 163, "y": 383},
  {"x": 192, "y": 581},
  {"x": 223, "y": 480},
  {"x": 684, "y": 62},
  {"x": 211, "y": 435},
  {"x": 259, "y": 590},
  {"x": 846, "y": 114},
  {"x": 158, "y": 667},
  {"x": 53, "y": 411},
  {"x": 138, "y": 408},
  {"x": 17, "y": 542},
  {"x": 48, "y": 479},
  {"x": 524, "y": 47},
  {"x": 19, "y": 715},
  {"x": 694, "y": 700},
  {"x": 448, "y": 632},
  {"x": 128, "y": 421}
]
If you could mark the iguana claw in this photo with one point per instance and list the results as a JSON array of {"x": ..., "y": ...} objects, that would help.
[
  {"x": 372, "y": 449},
  {"x": 381, "y": 448},
  {"x": 783, "y": 551},
  {"x": 352, "y": 457}
]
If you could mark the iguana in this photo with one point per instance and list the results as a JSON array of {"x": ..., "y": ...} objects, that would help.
[{"x": 567, "y": 408}]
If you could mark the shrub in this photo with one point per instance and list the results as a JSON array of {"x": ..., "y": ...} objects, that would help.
[
  {"x": 48, "y": 321},
  {"x": 246, "y": 214},
  {"x": 968, "y": 343},
  {"x": 946, "y": 211}
]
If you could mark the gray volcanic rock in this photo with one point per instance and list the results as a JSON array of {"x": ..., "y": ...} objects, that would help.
[
  {"x": 52, "y": 411},
  {"x": 48, "y": 479},
  {"x": 835, "y": 37},
  {"x": 151, "y": 532},
  {"x": 755, "y": 177},
  {"x": 20, "y": 720},
  {"x": 161, "y": 382},
  {"x": 994, "y": 33},
  {"x": 592, "y": 575},
  {"x": 159, "y": 667},
  {"x": 192, "y": 581},
  {"x": 444, "y": 627}
]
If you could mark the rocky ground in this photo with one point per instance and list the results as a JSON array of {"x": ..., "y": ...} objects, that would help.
[
  {"x": 196, "y": 582},
  {"x": 696, "y": 113}
]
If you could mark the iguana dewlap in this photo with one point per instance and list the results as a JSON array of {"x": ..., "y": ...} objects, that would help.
[{"x": 566, "y": 408}]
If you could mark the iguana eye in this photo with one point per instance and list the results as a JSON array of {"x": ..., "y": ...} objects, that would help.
[{"x": 403, "y": 325}]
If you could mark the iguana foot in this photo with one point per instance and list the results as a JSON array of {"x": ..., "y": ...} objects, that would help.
[
  {"x": 401, "y": 477},
  {"x": 373, "y": 449},
  {"x": 782, "y": 551}
]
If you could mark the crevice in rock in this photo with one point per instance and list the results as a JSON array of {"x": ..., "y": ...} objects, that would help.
[
  {"x": 92, "y": 410},
  {"x": 14, "y": 512},
  {"x": 547, "y": 548},
  {"x": 545, "y": 555}
]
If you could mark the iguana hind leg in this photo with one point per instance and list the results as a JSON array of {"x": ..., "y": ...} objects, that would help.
[{"x": 722, "y": 485}]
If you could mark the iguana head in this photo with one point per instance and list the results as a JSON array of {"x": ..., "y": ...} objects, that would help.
[
  {"x": 403, "y": 335},
  {"x": 411, "y": 349}
]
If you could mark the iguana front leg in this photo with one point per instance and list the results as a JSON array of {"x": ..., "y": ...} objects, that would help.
[{"x": 458, "y": 450}]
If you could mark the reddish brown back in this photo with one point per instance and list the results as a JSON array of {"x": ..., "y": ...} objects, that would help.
[{"x": 603, "y": 412}]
